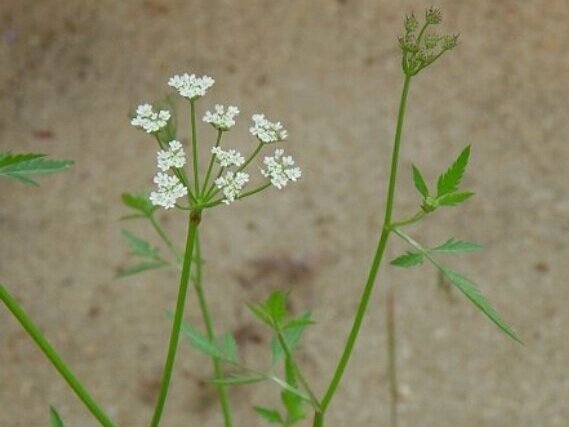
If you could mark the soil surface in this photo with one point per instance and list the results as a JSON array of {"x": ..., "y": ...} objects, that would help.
[{"x": 330, "y": 71}]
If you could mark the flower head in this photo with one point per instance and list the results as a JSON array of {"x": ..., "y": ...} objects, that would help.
[
  {"x": 228, "y": 158},
  {"x": 280, "y": 169},
  {"x": 267, "y": 131},
  {"x": 231, "y": 184},
  {"x": 174, "y": 157},
  {"x": 191, "y": 86},
  {"x": 169, "y": 190},
  {"x": 149, "y": 120},
  {"x": 222, "y": 119}
]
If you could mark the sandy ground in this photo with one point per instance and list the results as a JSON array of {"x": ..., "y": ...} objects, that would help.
[{"x": 72, "y": 70}]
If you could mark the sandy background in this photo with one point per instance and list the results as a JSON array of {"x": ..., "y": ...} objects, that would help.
[{"x": 72, "y": 70}]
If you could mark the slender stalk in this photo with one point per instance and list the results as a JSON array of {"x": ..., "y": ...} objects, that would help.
[
  {"x": 206, "y": 315},
  {"x": 194, "y": 219},
  {"x": 211, "y": 162},
  {"x": 383, "y": 239},
  {"x": 164, "y": 236},
  {"x": 392, "y": 357},
  {"x": 251, "y": 157},
  {"x": 54, "y": 358},
  {"x": 195, "y": 148}
]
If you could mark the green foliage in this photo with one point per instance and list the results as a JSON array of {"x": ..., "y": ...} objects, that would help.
[
  {"x": 454, "y": 199},
  {"x": 294, "y": 405},
  {"x": 140, "y": 204},
  {"x": 56, "y": 420},
  {"x": 225, "y": 349},
  {"x": 292, "y": 333},
  {"x": 408, "y": 259},
  {"x": 273, "y": 310},
  {"x": 270, "y": 415},
  {"x": 419, "y": 182},
  {"x": 139, "y": 247},
  {"x": 240, "y": 379},
  {"x": 455, "y": 245},
  {"x": 469, "y": 289},
  {"x": 19, "y": 167},
  {"x": 450, "y": 180}
]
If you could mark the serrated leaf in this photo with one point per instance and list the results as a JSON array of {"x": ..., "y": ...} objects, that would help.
[
  {"x": 260, "y": 313},
  {"x": 291, "y": 335},
  {"x": 470, "y": 290},
  {"x": 20, "y": 166},
  {"x": 454, "y": 199},
  {"x": 140, "y": 203},
  {"x": 230, "y": 348},
  {"x": 56, "y": 420},
  {"x": 141, "y": 267},
  {"x": 201, "y": 342},
  {"x": 236, "y": 379},
  {"x": 419, "y": 182},
  {"x": 276, "y": 305},
  {"x": 270, "y": 415},
  {"x": 456, "y": 245},
  {"x": 140, "y": 246},
  {"x": 408, "y": 259},
  {"x": 449, "y": 181}
]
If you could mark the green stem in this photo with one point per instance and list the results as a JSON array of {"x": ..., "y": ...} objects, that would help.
[
  {"x": 206, "y": 315},
  {"x": 392, "y": 357},
  {"x": 251, "y": 157},
  {"x": 211, "y": 162},
  {"x": 194, "y": 219},
  {"x": 164, "y": 236},
  {"x": 195, "y": 148},
  {"x": 54, "y": 358},
  {"x": 383, "y": 239}
]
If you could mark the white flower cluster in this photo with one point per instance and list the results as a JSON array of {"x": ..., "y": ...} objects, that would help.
[
  {"x": 231, "y": 184},
  {"x": 174, "y": 157},
  {"x": 222, "y": 119},
  {"x": 169, "y": 190},
  {"x": 227, "y": 158},
  {"x": 280, "y": 169},
  {"x": 191, "y": 86},
  {"x": 149, "y": 120},
  {"x": 267, "y": 131}
]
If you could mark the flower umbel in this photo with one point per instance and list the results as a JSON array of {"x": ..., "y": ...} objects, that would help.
[
  {"x": 280, "y": 169},
  {"x": 169, "y": 190},
  {"x": 149, "y": 120},
  {"x": 267, "y": 131},
  {"x": 174, "y": 157},
  {"x": 228, "y": 158},
  {"x": 190, "y": 86},
  {"x": 231, "y": 184},
  {"x": 222, "y": 119}
]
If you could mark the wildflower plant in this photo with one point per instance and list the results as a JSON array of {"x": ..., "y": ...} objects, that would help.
[{"x": 181, "y": 186}]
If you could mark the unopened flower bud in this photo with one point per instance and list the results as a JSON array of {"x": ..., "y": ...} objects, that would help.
[
  {"x": 411, "y": 23},
  {"x": 433, "y": 16},
  {"x": 450, "y": 41}
]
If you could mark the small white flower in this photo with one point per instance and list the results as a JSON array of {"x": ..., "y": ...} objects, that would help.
[
  {"x": 174, "y": 157},
  {"x": 169, "y": 190},
  {"x": 231, "y": 184},
  {"x": 267, "y": 131},
  {"x": 191, "y": 86},
  {"x": 149, "y": 120},
  {"x": 280, "y": 169},
  {"x": 227, "y": 158},
  {"x": 222, "y": 119}
]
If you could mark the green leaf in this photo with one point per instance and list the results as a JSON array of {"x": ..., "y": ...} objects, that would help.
[
  {"x": 419, "y": 182},
  {"x": 456, "y": 245},
  {"x": 260, "y": 312},
  {"x": 294, "y": 406},
  {"x": 201, "y": 342},
  {"x": 139, "y": 246},
  {"x": 454, "y": 199},
  {"x": 56, "y": 420},
  {"x": 237, "y": 379},
  {"x": 20, "y": 166},
  {"x": 141, "y": 267},
  {"x": 276, "y": 305},
  {"x": 449, "y": 181},
  {"x": 469, "y": 289},
  {"x": 286, "y": 386},
  {"x": 408, "y": 259},
  {"x": 230, "y": 348},
  {"x": 270, "y": 415},
  {"x": 140, "y": 203},
  {"x": 292, "y": 335}
]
